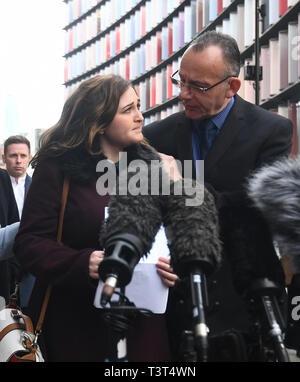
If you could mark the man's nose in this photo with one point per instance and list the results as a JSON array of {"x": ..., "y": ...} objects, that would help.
[{"x": 185, "y": 93}]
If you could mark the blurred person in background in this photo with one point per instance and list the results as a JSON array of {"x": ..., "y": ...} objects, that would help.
[
  {"x": 14, "y": 185},
  {"x": 7, "y": 237}
]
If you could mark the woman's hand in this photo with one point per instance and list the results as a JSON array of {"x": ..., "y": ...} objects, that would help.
[
  {"x": 166, "y": 272},
  {"x": 170, "y": 166},
  {"x": 95, "y": 259},
  {"x": 163, "y": 268}
]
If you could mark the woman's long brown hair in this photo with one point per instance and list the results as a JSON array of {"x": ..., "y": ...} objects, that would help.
[{"x": 88, "y": 111}]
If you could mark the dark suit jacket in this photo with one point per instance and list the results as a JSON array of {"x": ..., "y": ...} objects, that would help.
[
  {"x": 249, "y": 138},
  {"x": 8, "y": 206},
  {"x": 8, "y": 214}
]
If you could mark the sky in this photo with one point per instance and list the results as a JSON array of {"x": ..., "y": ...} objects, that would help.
[{"x": 32, "y": 44}]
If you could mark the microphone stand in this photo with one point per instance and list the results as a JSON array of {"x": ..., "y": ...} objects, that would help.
[
  {"x": 194, "y": 340},
  {"x": 197, "y": 283},
  {"x": 120, "y": 323},
  {"x": 120, "y": 317},
  {"x": 265, "y": 291},
  {"x": 275, "y": 331}
]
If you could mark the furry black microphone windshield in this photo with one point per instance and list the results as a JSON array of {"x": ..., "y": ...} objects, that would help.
[
  {"x": 136, "y": 214},
  {"x": 133, "y": 221},
  {"x": 192, "y": 231},
  {"x": 139, "y": 215},
  {"x": 275, "y": 191}
]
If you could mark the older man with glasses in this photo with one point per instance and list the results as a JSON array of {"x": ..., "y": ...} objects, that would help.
[{"x": 234, "y": 138}]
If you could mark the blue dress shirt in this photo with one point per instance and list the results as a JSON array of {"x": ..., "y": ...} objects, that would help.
[{"x": 205, "y": 131}]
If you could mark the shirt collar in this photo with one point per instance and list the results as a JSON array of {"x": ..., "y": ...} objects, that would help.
[
  {"x": 217, "y": 119},
  {"x": 21, "y": 180},
  {"x": 220, "y": 118}
]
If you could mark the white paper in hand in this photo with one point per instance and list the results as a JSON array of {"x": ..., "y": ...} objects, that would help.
[{"x": 146, "y": 289}]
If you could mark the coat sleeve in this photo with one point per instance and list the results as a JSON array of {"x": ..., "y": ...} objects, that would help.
[
  {"x": 35, "y": 246},
  {"x": 7, "y": 236}
]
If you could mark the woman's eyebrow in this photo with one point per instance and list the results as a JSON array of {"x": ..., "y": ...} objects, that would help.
[
  {"x": 130, "y": 104},
  {"x": 125, "y": 106}
]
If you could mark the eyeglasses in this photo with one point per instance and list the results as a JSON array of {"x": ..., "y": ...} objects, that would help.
[{"x": 200, "y": 89}]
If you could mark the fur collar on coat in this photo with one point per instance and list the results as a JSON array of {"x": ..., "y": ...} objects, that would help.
[{"x": 80, "y": 166}]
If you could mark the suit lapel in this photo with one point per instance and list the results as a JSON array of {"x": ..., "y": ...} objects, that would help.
[
  {"x": 184, "y": 139},
  {"x": 12, "y": 214},
  {"x": 183, "y": 136},
  {"x": 225, "y": 138},
  {"x": 27, "y": 183},
  {"x": 232, "y": 126}
]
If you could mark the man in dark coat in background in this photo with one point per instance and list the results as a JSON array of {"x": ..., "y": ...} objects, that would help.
[
  {"x": 234, "y": 138},
  {"x": 14, "y": 184}
]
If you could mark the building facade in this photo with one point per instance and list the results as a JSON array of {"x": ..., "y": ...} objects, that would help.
[{"x": 143, "y": 41}]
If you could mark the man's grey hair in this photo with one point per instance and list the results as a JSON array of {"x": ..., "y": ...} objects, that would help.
[{"x": 228, "y": 45}]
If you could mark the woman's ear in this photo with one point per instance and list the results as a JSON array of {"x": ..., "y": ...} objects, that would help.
[{"x": 234, "y": 87}]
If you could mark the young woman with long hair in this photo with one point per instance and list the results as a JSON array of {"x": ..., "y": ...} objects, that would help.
[{"x": 99, "y": 120}]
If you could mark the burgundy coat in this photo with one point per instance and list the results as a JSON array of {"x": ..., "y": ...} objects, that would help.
[{"x": 74, "y": 329}]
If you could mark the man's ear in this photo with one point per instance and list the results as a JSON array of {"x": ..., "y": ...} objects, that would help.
[
  {"x": 234, "y": 87},
  {"x": 3, "y": 158}
]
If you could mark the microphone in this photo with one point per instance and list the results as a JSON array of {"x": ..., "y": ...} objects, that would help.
[
  {"x": 132, "y": 224},
  {"x": 192, "y": 229},
  {"x": 257, "y": 272},
  {"x": 195, "y": 248},
  {"x": 275, "y": 191},
  {"x": 123, "y": 251},
  {"x": 266, "y": 291},
  {"x": 128, "y": 234}
]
